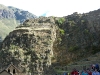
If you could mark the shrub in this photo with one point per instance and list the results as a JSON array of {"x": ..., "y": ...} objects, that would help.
[
  {"x": 62, "y": 31},
  {"x": 61, "y": 21}
]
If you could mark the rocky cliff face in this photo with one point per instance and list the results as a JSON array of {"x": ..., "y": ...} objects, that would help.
[
  {"x": 21, "y": 15},
  {"x": 31, "y": 46}
]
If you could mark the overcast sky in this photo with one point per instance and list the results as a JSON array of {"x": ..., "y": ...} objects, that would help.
[{"x": 54, "y": 7}]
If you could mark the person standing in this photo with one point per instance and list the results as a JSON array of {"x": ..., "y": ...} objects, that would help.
[
  {"x": 74, "y": 72},
  {"x": 89, "y": 72},
  {"x": 84, "y": 72},
  {"x": 95, "y": 72}
]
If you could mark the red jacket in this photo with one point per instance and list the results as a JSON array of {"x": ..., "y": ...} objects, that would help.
[
  {"x": 90, "y": 73},
  {"x": 74, "y": 73}
]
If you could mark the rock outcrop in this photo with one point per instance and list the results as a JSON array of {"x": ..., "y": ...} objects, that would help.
[{"x": 31, "y": 46}]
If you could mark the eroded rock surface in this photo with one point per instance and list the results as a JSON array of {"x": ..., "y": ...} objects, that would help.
[{"x": 30, "y": 46}]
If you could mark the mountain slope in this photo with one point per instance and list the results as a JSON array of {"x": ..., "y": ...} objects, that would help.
[
  {"x": 21, "y": 15},
  {"x": 76, "y": 37},
  {"x": 81, "y": 37},
  {"x": 11, "y": 17}
]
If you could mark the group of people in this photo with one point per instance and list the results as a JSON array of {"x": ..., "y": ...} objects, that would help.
[{"x": 93, "y": 71}]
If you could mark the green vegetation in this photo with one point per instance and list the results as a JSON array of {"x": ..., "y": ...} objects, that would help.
[
  {"x": 59, "y": 39},
  {"x": 60, "y": 21},
  {"x": 62, "y": 31},
  {"x": 6, "y": 26}
]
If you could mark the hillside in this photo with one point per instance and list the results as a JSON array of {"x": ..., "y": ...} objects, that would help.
[
  {"x": 11, "y": 17},
  {"x": 81, "y": 37},
  {"x": 50, "y": 42}
]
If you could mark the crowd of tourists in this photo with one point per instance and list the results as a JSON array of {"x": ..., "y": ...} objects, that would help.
[{"x": 94, "y": 70}]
